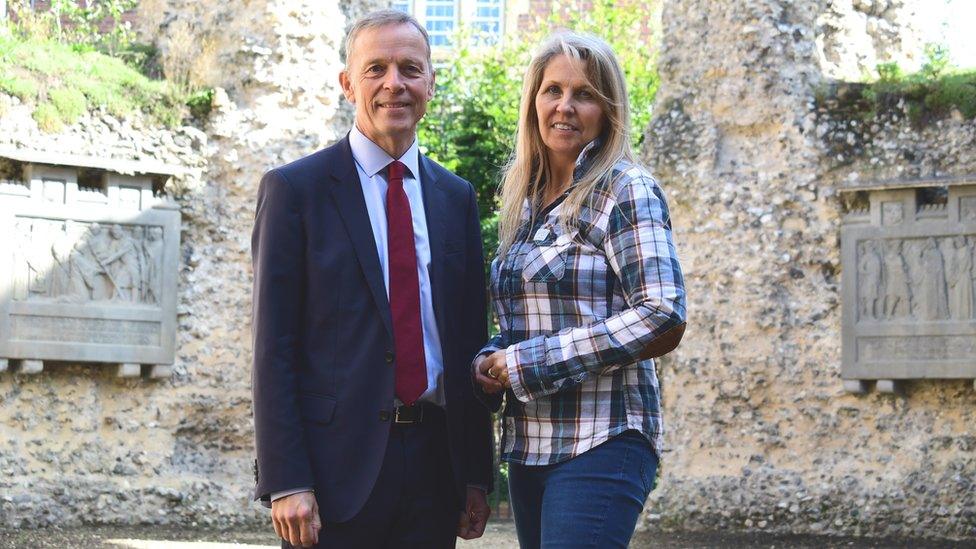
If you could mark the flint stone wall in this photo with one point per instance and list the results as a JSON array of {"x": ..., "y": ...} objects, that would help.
[
  {"x": 760, "y": 431},
  {"x": 82, "y": 446}
]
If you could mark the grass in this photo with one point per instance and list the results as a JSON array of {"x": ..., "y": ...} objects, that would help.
[
  {"x": 62, "y": 82},
  {"x": 926, "y": 97}
]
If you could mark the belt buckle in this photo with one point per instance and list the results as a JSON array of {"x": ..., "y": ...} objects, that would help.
[{"x": 418, "y": 419}]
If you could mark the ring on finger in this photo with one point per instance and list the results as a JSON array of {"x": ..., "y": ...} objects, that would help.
[{"x": 492, "y": 374}]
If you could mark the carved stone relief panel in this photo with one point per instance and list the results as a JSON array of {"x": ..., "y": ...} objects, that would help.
[
  {"x": 909, "y": 288},
  {"x": 77, "y": 262},
  {"x": 922, "y": 279},
  {"x": 86, "y": 281}
]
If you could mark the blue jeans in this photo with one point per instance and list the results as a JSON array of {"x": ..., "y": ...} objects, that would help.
[{"x": 591, "y": 500}]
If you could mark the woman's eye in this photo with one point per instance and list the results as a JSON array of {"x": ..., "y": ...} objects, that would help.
[{"x": 585, "y": 94}]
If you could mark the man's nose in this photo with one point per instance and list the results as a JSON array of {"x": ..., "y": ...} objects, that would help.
[{"x": 394, "y": 81}]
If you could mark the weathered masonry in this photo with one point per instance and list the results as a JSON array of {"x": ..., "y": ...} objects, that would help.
[
  {"x": 90, "y": 264},
  {"x": 909, "y": 284}
]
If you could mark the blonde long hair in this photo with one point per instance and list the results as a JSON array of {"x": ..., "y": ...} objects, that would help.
[{"x": 528, "y": 168}]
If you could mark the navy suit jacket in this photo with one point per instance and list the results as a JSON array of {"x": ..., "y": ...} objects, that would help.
[{"x": 323, "y": 338}]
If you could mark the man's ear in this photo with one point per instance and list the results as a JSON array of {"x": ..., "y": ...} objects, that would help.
[
  {"x": 346, "y": 84},
  {"x": 431, "y": 86}
]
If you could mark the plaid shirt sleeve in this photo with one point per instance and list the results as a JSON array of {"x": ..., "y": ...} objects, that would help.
[{"x": 638, "y": 247}]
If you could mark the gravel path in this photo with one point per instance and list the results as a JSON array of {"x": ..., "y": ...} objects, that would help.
[{"x": 500, "y": 535}]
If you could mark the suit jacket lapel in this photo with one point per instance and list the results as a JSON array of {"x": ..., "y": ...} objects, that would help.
[
  {"x": 348, "y": 194},
  {"x": 435, "y": 209}
]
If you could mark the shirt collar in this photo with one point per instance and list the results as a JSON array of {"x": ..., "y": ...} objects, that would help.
[
  {"x": 585, "y": 158},
  {"x": 373, "y": 159}
]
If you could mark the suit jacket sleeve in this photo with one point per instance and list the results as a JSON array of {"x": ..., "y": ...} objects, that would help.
[
  {"x": 278, "y": 256},
  {"x": 479, "y": 441}
]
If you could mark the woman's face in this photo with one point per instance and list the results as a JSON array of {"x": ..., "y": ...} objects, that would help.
[{"x": 570, "y": 114}]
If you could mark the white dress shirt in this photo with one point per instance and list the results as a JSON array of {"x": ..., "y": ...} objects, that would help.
[{"x": 371, "y": 163}]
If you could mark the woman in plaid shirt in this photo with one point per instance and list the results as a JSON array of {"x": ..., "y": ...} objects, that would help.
[{"x": 586, "y": 282}]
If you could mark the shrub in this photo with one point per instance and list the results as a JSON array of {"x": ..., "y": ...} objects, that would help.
[
  {"x": 472, "y": 119},
  {"x": 931, "y": 93}
]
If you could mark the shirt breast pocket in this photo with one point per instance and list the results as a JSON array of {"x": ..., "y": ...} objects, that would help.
[{"x": 546, "y": 260}]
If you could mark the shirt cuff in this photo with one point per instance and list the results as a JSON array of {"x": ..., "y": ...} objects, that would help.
[{"x": 285, "y": 493}]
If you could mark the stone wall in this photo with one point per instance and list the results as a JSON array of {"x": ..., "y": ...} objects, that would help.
[
  {"x": 81, "y": 446},
  {"x": 761, "y": 434}
]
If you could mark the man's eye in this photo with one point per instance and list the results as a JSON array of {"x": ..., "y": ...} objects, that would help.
[{"x": 374, "y": 69}]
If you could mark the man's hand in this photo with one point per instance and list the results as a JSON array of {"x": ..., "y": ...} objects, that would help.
[
  {"x": 296, "y": 519},
  {"x": 491, "y": 373},
  {"x": 475, "y": 515}
]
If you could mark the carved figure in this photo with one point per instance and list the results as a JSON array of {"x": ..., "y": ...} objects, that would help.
[
  {"x": 73, "y": 275},
  {"x": 59, "y": 277},
  {"x": 869, "y": 269},
  {"x": 97, "y": 247},
  {"x": 960, "y": 279},
  {"x": 896, "y": 288},
  {"x": 38, "y": 260},
  {"x": 933, "y": 300},
  {"x": 122, "y": 262},
  {"x": 28, "y": 268},
  {"x": 152, "y": 249}
]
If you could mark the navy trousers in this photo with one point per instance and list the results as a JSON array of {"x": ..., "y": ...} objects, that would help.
[
  {"x": 591, "y": 500},
  {"x": 413, "y": 503}
]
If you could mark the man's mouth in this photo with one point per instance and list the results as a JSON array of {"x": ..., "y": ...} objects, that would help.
[{"x": 394, "y": 105}]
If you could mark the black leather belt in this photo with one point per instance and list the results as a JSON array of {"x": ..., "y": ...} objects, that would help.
[{"x": 409, "y": 414}]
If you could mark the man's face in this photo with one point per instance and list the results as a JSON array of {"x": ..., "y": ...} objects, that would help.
[{"x": 390, "y": 82}]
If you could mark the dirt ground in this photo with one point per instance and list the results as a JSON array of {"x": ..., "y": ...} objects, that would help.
[{"x": 500, "y": 535}]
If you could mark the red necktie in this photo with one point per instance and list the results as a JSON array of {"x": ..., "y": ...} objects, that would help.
[{"x": 408, "y": 333}]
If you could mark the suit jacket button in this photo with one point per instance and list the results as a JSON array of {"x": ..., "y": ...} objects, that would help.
[
  {"x": 389, "y": 357},
  {"x": 384, "y": 415}
]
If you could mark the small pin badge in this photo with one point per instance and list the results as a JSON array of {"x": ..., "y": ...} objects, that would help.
[{"x": 541, "y": 235}]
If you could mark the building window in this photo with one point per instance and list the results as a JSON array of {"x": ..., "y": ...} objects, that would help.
[
  {"x": 487, "y": 21},
  {"x": 403, "y": 6},
  {"x": 441, "y": 16}
]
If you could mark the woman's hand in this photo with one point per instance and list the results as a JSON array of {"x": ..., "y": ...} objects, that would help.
[{"x": 491, "y": 372}]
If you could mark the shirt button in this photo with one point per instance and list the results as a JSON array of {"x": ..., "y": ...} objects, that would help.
[
  {"x": 384, "y": 415},
  {"x": 389, "y": 356}
]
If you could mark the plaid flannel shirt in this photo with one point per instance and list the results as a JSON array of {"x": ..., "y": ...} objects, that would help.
[{"x": 576, "y": 307}]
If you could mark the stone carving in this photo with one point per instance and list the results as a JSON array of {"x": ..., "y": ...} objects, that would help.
[
  {"x": 897, "y": 296},
  {"x": 892, "y": 213},
  {"x": 959, "y": 278},
  {"x": 933, "y": 303},
  {"x": 967, "y": 208},
  {"x": 874, "y": 349},
  {"x": 870, "y": 279},
  {"x": 69, "y": 261},
  {"x": 85, "y": 330},
  {"x": 909, "y": 285},
  {"x": 924, "y": 278}
]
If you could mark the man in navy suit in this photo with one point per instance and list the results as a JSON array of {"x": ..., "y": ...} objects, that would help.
[{"x": 369, "y": 304}]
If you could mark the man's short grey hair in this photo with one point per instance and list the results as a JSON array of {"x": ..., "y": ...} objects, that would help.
[{"x": 381, "y": 18}]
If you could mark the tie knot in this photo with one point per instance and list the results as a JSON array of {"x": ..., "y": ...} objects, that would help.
[{"x": 395, "y": 171}]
